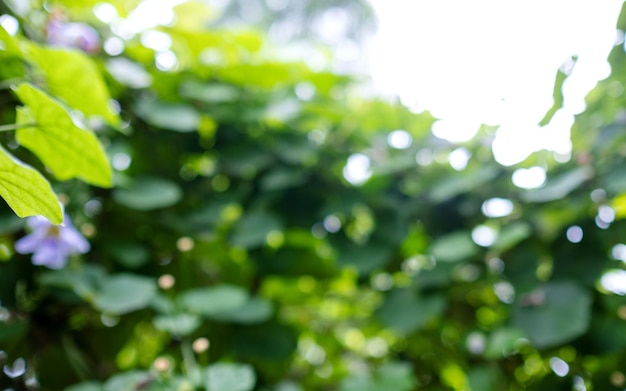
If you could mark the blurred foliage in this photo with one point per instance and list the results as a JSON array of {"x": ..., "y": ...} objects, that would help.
[{"x": 232, "y": 253}]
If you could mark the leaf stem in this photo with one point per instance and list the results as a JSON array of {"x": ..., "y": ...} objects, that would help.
[
  {"x": 188, "y": 357},
  {"x": 11, "y": 127}
]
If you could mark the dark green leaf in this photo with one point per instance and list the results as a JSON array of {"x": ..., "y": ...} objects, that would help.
[
  {"x": 251, "y": 231},
  {"x": 554, "y": 313},
  {"x": 404, "y": 311}
]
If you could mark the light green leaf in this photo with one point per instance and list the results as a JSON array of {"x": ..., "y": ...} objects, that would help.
[
  {"x": 392, "y": 376},
  {"x": 180, "y": 324},
  {"x": 179, "y": 117},
  {"x": 213, "y": 300},
  {"x": 74, "y": 78},
  {"x": 511, "y": 235},
  {"x": 69, "y": 151},
  {"x": 209, "y": 92},
  {"x": 502, "y": 342},
  {"x": 26, "y": 191},
  {"x": 453, "y": 247},
  {"x": 127, "y": 381},
  {"x": 230, "y": 377},
  {"x": 124, "y": 293},
  {"x": 147, "y": 193}
]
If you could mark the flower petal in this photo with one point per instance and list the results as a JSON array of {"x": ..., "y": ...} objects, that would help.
[
  {"x": 75, "y": 241},
  {"x": 54, "y": 257},
  {"x": 29, "y": 243}
]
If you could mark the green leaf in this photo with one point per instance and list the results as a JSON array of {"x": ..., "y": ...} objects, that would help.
[
  {"x": 453, "y": 185},
  {"x": 255, "y": 310},
  {"x": 483, "y": 378},
  {"x": 128, "y": 254},
  {"x": 453, "y": 247},
  {"x": 69, "y": 151},
  {"x": 12, "y": 331},
  {"x": 365, "y": 258},
  {"x": 86, "y": 386},
  {"x": 559, "y": 187},
  {"x": 404, "y": 311},
  {"x": 148, "y": 193},
  {"x": 74, "y": 78},
  {"x": 214, "y": 300},
  {"x": 209, "y": 93},
  {"x": 557, "y": 94},
  {"x": 553, "y": 314},
  {"x": 511, "y": 235},
  {"x": 265, "y": 341},
  {"x": 84, "y": 282},
  {"x": 9, "y": 44},
  {"x": 26, "y": 191},
  {"x": 230, "y": 377},
  {"x": 127, "y": 381},
  {"x": 124, "y": 293},
  {"x": 502, "y": 342},
  {"x": 180, "y": 324},
  {"x": 179, "y": 117},
  {"x": 129, "y": 73},
  {"x": 392, "y": 376},
  {"x": 251, "y": 231}
]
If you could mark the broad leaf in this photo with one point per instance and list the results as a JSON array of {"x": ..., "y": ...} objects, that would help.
[
  {"x": 251, "y": 231},
  {"x": 560, "y": 186},
  {"x": 69, "y": 151},
  {"x": 256, "y": 310},
  {"x": 124, "y": 293},
  {"x": 453, "y": 247},
  {"x": 74, "y": 78},
  {"x": 554, "y": 314},
  {"x": 405, "y": 312},
  {"x": 214, "y": 300},
  {"x": 230, "y": 377},
  {"x": 148, "y": 193},
  {"x": 179, "y": 117},
  {"x": 26, "y": 191},
  {"x": 180, "y": 324}
]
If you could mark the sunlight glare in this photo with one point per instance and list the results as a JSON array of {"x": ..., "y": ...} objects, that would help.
[
  {"x": 357, "y": 169},
  {"x": 614, "y": 281},
  {"x": 497, "y": 207},
  {"x": 399, "y": 139},
  {"x": 529, "y": 178},
  {"x": 470, "y": 67}
]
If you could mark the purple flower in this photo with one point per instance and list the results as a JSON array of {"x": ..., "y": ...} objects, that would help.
[
  {"x": 51, "y": 244},
  {"x": 73, "y": 35}
]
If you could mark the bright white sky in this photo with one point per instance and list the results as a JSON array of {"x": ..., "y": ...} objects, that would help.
[{"x": 494, "y": 62}]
